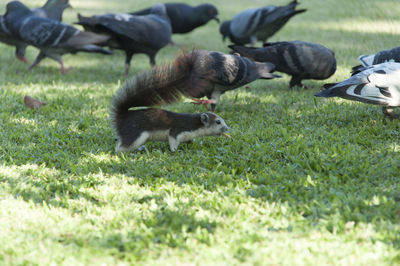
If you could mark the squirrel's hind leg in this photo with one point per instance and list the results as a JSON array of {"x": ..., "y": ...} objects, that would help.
[{"x": 139, "y": 141}]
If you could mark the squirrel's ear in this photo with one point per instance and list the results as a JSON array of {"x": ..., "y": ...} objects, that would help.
[{"x": 205, "y": 119}]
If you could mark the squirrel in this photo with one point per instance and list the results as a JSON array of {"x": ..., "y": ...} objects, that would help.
[{"x": 157, "y": 86}]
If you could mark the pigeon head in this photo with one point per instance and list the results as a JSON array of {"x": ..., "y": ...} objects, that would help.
[
  {"x": 225, "y": 30},
  {"x": 62, "y": 4},
  {"x": 265, "y": 70},
  {"x": 54, "y": 8},
  {"x": 206, "y": 12},
  {"x": 159, "y": 10},
  {"x": 16, "y": 7}
]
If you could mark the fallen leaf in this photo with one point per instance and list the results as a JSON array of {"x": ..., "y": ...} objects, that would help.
[{"x": 32, "y": 103}]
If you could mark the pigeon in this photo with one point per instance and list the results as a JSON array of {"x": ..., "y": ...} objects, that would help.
[
  {"x": 185, "y": 18},
  {"x": 219, "y": 73},
  {"x": 390, "y": 55},
  {"x": 52, "y": 9},
  {"x": 197, "y": 74},
  {"x": 377, "y": 84},
  {"x": 133, "y": 34},
  {"x": 258, "y": 23},
  {"x": 301, "y": 60},
  {"x": 51, "y": 37}
]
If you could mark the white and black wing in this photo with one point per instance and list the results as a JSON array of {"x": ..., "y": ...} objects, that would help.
[
  {"x": 390, "y": 55},
  {"x": 377, "y": 84}
]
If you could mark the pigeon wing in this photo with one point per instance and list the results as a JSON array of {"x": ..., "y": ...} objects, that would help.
[
  {"x": 138, "y": 28},
  {"x": 391, "y": 55},
  {"x": 39, "y": 31},
  {"x": 246, "y": 23},
  {"x": 377, "y": 84}
]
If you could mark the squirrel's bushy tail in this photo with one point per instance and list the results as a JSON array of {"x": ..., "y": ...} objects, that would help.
[{"x": 161, "y": 85}]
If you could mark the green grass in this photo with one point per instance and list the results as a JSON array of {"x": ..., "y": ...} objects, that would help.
[{"x": 303, "y": 181}]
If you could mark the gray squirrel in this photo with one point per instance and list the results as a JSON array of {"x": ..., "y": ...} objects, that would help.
[{"x": 195, "y": 74}]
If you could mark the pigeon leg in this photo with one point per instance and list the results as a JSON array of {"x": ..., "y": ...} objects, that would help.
[
  {"x": 215, "y": 99},
  {"x": 39, "y": 58},
  {"x": 152, "y": 60},
  {"x": 20, "y": 53},
  {"x": 213, "y": 105},
  {"x": 57, "y": 57},
  {"x": 389, "y": 112},
  {"x": 127, "y": 66},
  {"x": 128, "y": 62},
  {"x": 295, "y": 81},
  {"x": 23, "y": 59},
  {"x": 203, "y": 102},
  {"x": 63, "y": 69},
  {"x": 253, "y": 41}
]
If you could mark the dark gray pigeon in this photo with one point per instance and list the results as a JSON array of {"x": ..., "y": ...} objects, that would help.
[
  {"x": 51, "y": 37},
  {"x": 221, "y": 72},
  {"x": 301, "y": 60},
  {"x": 377, "y": 84},
  {"x": 52, "y": 9},
  {"x": 258, "y": 23},
  {"x": 390, "y": 55},
  {"x": 134, "y": 34},
  {"x": 185, "y": 18}
]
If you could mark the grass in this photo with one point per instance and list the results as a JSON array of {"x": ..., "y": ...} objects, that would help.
[{"x": 304, "y": 180}]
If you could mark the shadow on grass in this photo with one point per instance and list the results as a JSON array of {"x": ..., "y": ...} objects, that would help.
[
  {"x": 54, "y": 190},
  {"x": 163, "y": 226}
]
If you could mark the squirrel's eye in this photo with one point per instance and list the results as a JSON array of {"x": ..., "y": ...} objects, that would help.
[{"x": 218, "y": 122}]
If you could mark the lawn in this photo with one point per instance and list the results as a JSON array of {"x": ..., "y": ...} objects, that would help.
[{"x": 303, "y": 181}]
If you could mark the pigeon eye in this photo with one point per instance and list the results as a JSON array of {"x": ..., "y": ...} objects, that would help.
[{"x": 218, "y": 122}]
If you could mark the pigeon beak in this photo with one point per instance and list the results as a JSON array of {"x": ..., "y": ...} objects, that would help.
[
  {"x": 270, "y": 76},
  {"x": 223, "y": 38},
  {"x": 277, "y": 76},
  {"x": 69, "y": 6},
  {"x": 216, "y": 18}
]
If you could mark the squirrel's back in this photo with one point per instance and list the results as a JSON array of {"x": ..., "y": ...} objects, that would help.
[{"x": 160, "y": 85}]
